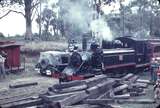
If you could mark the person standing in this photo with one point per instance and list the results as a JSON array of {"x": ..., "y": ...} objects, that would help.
[
  {"x": 157, "y": 90},
  {"x": 154, "y": 69},
  {"x": 2, "y": 68},
  {"x": 97, "y": 56},
  {"x": 158, "y": 73}
]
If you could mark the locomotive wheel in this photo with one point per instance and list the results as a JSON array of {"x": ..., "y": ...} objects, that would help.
[
  {"x": 42, "y": 73},
  {"x": 117, "y": 73}
]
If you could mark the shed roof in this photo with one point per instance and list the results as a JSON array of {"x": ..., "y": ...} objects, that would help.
[{"x": 4, "y": 44}]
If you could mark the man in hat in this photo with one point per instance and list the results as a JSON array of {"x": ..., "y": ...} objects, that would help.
[
  {"x": 154, "y": 69},
  {"x": 75, "y": 59},
  {"x": 97, "y": 56},
  {"x": 157, "y": 90}
]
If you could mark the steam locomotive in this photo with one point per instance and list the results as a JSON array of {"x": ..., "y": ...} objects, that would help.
[{"x": 123, "y": 55}]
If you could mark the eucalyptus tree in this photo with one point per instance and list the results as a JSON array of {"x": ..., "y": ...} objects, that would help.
[
  {"x": 148, "y": 12},
  {"x": 29, "y": 10}
]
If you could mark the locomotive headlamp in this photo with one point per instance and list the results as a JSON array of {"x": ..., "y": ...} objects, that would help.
[
  {"x": 84, "y": 57},
  {"x": 153, "y": 59},
  {"x": 37, "y": 69},
  {"x": 48, "y": 72}
]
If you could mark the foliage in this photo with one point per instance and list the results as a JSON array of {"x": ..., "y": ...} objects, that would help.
[
  {"x": 139, "y": 18},
  {"x": 52, "y": 26},
  {"x": 2, "y": 35}
]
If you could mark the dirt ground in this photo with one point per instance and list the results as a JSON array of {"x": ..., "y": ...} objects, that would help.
[
  {"x": 29, "y": 74},
  {"x": 44, "y": 82}
]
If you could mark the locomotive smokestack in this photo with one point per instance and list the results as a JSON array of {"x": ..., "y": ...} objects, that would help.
[
  {"x": 85, "y": 38},
  {"x": 84, "y": 42}
]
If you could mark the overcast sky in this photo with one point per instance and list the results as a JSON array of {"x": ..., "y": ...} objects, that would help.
[{"x": 15, "y": 24}]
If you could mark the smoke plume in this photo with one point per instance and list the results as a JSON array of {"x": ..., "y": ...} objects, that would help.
[
  {"x": 78, "y": 18},
  {"x": 101, "y": 29},
  {"x": 76, "y": 15}
]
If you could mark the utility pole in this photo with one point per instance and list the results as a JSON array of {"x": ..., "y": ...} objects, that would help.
[
  {"x": 123, "y": 23},
  {"x": 40, "y": 19},
  {"x": 96, "y": 4}
]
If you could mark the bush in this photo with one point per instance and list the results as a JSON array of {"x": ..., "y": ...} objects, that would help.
[{"x": 2, "y": 36}]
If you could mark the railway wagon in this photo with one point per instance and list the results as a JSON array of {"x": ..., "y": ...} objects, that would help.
[
  {"x": 12, "y": 55},
  {"x": 154, "y": 45}
]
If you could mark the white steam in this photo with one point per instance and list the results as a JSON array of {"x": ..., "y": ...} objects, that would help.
[
  {"x": 111, "y": 8},
  {"x": 101, "y": 29},
  {"x": 78, "y": 18}
]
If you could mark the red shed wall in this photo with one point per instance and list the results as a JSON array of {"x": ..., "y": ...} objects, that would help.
[{"x": 13, "y": 56}]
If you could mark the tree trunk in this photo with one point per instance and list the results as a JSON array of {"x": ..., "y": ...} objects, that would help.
[
  {"x": 62, "y": 29},
  {"x": 54, "y": 29},
  {"x": 151, "y": 27},
  {"x": 46, "y": 30},
  {"x": 28, "y": 14}
]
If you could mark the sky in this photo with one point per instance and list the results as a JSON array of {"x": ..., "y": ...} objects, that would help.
[{"x": 14, "y": 24}]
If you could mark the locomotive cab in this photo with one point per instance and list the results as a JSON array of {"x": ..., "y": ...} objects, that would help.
[
  {"x": 142, "y": 55},
  {"x": 119, "y": 61}
]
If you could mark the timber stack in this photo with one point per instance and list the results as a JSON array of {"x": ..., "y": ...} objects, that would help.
[{"x": 97, "y": 92}]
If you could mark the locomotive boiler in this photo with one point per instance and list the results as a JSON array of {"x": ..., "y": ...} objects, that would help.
[{"x": 99, "y": 61}]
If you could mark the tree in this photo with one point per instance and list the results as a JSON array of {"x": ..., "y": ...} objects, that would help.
[
  {"x": 149, "y": 13},
  {"x": 48, "y": 20},
  {"x": 29, "y": 10}
]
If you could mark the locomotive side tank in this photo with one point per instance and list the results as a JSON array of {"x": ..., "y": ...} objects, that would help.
[
  {"x": 119, "y": 60},
  {"x": 142, "y": 51}
]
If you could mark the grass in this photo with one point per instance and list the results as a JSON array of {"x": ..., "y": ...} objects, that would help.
[{"x": 36, "y": 47}]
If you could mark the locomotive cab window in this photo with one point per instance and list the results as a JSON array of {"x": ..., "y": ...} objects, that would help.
[
  {"x": 157, "y": 49},
  {"x": 139, "y": 47},
  {"x": 118, "y": 44}
]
